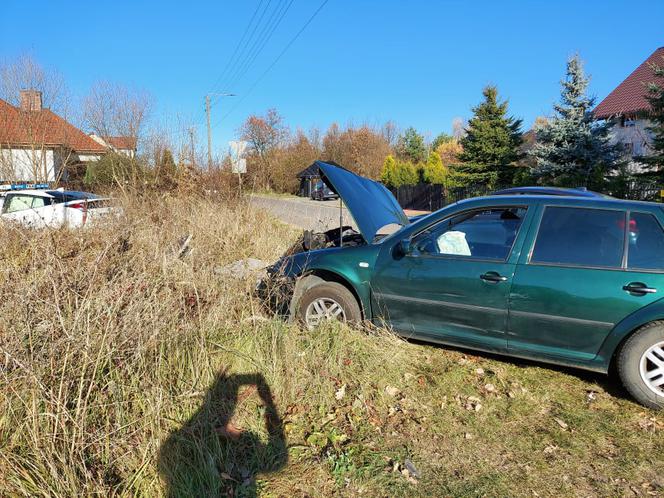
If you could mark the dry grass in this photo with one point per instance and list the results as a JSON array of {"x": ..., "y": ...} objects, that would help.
[{"x": 125, "y": 370}]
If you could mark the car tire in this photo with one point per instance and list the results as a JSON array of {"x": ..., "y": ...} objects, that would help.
[
  {"x": 325, "y": 301},
  {"x": 641, "y": 365}
]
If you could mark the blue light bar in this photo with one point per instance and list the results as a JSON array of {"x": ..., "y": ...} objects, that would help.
[{"x": 24, "y": 186}]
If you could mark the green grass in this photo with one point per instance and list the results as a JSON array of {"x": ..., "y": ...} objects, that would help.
[{"x": 125, "y": 370}]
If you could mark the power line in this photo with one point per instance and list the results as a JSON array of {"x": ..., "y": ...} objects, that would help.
[
  {"x": 242, "y": 38},
  {"x": 269, "y": 29},
  {"x": 274, "y": 63}
]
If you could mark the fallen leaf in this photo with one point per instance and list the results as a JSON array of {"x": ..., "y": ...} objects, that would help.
[
  {"x": 392, "y": 391},
  {"x": 340, "y": 393},
  {"x": 561, "y": 423}
]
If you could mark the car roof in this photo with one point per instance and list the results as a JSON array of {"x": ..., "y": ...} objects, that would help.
[
  {"x": 42, "y": 193},
  {"x": 65, "y": 195},
  {"x": 578, "y": 201},
  {"x": 559, "y": 191}
]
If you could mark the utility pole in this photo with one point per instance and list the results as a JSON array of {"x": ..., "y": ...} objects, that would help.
[
  {"x": 209, "y": 130},
  {"x": 192, "y": 151},
  {"x": 209, "y": 127}
]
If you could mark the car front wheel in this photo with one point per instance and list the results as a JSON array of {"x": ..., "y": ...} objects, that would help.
[
  {"x": 641, "y": 365},
  {"x": 328, "y": 301}
]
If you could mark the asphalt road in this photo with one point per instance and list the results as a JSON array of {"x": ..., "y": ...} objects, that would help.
[{"x": 304, "y": 213}]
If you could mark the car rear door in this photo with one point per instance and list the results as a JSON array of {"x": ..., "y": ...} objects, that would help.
[
  {"x": 580, "y": 277},
  {"x": 454, "y": 285}
]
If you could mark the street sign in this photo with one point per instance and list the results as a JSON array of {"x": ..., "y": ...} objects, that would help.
[
  {"x": 239, "y": 166},
  {"x": 238, "y": 163}
]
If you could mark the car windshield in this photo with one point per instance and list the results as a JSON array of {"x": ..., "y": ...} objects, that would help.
[{"x": 71, "y": 195}]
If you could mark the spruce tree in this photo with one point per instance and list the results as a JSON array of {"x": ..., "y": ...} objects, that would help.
[
  {"x": 655, "y": 97},
  {"x": 491, "y": 145},
  {"x": 411, "y": 147},
  {"x": 572, "y": 149}
]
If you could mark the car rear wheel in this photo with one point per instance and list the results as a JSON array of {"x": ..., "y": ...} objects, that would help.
[
  {"x": 328, "y": 301},
  {"x": 641, "y": 365}
]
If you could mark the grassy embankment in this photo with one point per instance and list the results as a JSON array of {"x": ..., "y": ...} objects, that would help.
[{"x": 126, "y": 370}]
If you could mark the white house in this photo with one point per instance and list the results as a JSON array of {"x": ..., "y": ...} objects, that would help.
[
  {"x": 626, "y": 106},
  {"x": 37, "y": 145},
  {"x": 125, "y": 146}
]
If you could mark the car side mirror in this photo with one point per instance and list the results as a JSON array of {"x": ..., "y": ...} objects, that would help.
[{"x": 406, "y": 248}]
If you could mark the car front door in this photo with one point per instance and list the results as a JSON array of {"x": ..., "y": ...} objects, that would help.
[
  {"x": 453, "y": 282},
  {"x": 29, "y": 210},
  {"x": 587, "y": 269}
]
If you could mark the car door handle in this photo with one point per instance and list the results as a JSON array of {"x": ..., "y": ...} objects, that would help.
[
  {"x": 638, "y": 288},
  {"x": 492, "y": 276}
]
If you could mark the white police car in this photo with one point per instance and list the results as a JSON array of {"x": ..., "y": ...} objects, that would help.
[{"x": 37, "y": 206}]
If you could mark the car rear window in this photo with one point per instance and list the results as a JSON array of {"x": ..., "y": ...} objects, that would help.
[
  {"x": 580, "y": 237},
  {"x": 646, "y": 242}
]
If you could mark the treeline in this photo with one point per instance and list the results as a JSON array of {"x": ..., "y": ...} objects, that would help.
[{"x": 568, "y": 148}]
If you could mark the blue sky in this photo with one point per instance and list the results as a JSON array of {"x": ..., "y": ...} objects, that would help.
[{"x": 419, "y": 63}]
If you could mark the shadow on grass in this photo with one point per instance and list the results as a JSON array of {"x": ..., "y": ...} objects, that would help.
[
  {"x": 609, "y": 383},
  {"x": 209, "y": 456}
]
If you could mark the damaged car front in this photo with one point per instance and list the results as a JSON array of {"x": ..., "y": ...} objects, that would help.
[{"x": 326, "y": 275}]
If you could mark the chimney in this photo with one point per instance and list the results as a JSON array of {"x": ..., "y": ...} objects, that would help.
[{"x": 31, "y": 100}]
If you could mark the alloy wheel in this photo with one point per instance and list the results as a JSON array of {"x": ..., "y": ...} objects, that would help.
[
  {"x": 323, "y": 308},
  {"x": 651, "y": 368}
]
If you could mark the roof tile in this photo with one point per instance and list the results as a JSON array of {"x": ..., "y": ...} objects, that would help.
[
  {"x": 44, "y": 128},
  {"x": 630, "y": 96}
]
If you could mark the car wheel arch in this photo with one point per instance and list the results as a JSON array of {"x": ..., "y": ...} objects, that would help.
[
  {"x": 625, "y": 329},
  {"x": 315, "y": 276},
  {"x": 625, "y": 337}
]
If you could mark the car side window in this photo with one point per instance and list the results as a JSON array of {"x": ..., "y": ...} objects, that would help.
[
  {"x": 39, "y": 202},
  {"x": 580, "y": 237},
  {"x": 487, "y": 233},
  {"x": 646, "y": 242},
  {"x": 15, "y": 203}
]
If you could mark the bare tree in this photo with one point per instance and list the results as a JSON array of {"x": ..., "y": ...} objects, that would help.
[
  {"x": 459, "y": 128},
  {"x": 111, "y": 109},
  {"x": 390, "y": 132},
  {"x": 25, "y": 73},
  {"x": 34, "y": 143}
]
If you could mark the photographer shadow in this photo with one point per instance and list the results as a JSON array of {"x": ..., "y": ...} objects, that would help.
[{"x": 209, "y": 456}]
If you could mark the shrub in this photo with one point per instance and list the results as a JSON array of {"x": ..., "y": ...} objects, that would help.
[{"x": 434, "y": 171}]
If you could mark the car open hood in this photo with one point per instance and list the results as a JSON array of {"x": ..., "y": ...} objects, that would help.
[{"x": 370, "y": 203}]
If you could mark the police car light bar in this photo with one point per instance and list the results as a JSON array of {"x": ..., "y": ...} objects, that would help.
[{"x": 24, "y": 186}]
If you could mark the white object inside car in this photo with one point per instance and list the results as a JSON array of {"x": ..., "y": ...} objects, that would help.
[{"x": 453, "y": 242}]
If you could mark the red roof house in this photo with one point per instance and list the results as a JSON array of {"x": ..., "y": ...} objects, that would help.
[
  {"x": 37, "y": 145},
  {"x": 629, "y": 98},
  {"x": 627, "y": 106},
  {"x": 121, "y": 145}
]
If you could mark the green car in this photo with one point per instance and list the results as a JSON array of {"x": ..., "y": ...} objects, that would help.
[{"x": 558, "y": 275}]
